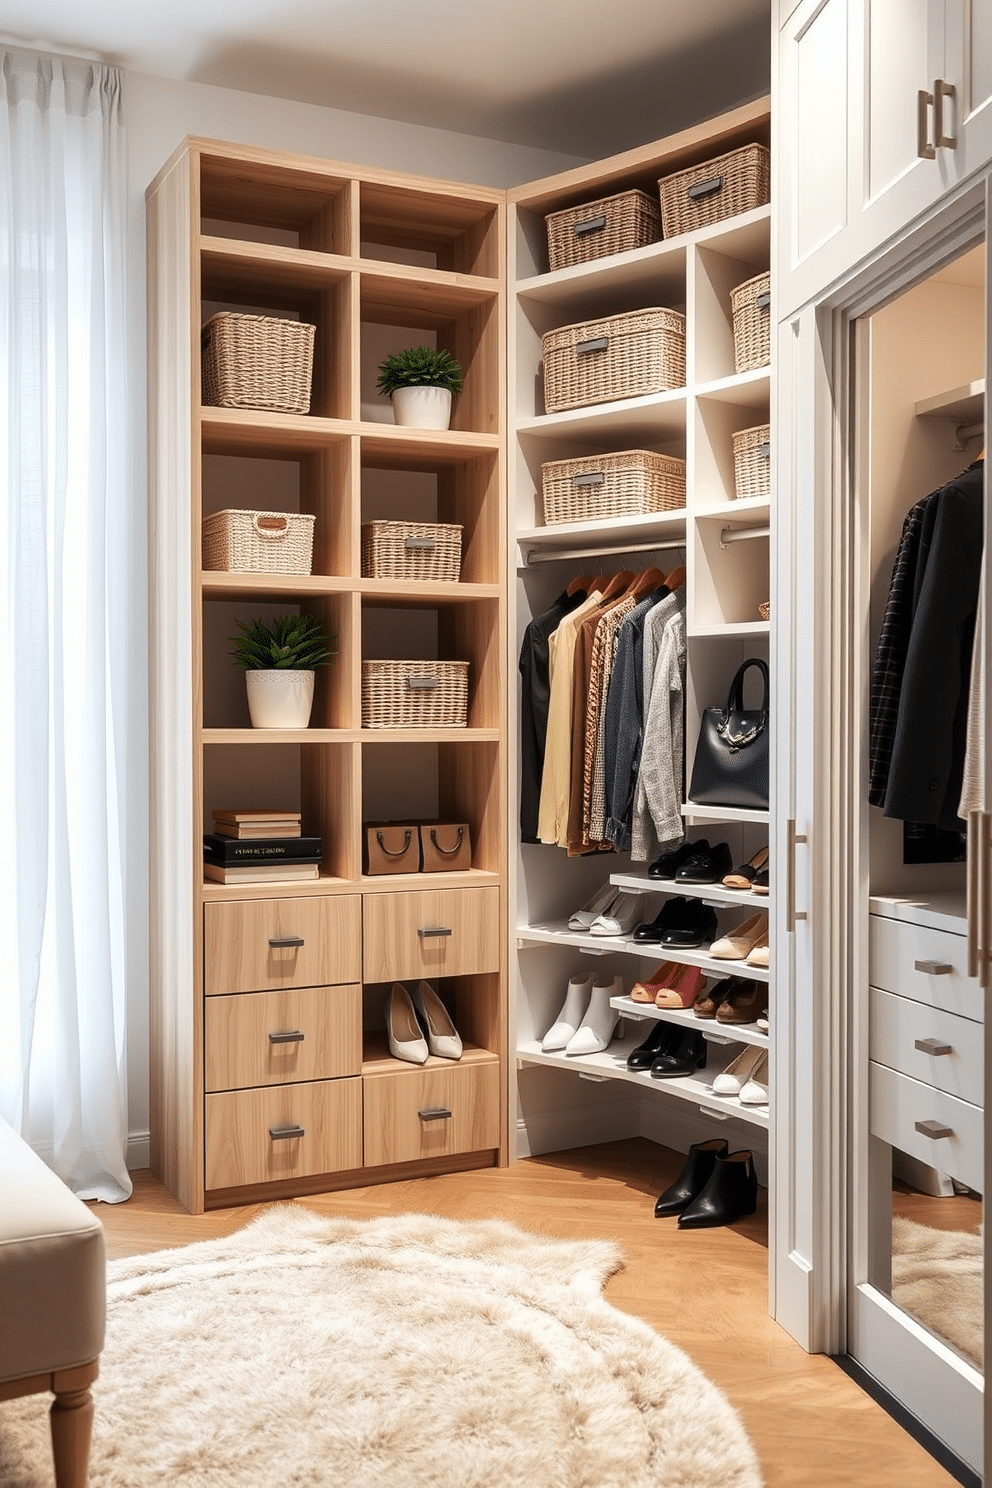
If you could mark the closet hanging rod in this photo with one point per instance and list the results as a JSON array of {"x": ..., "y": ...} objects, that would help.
[
  {"x": 965, "y": 433},
  {"x": 741, "y": 534},
  {"x": 554, "y": 555}
]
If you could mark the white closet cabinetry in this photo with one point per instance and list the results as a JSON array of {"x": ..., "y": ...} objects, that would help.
[
  {"x": 890, "y": 106},
  {"x": 724, "y": 544}
]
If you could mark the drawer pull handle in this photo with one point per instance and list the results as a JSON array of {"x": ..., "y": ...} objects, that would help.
[
  {"x": 435, "y": 1113},
  {"x": 282, "y": 942},
  {"x": 286, "y": 1133},
  {"x": 426, "y": 934},
  {"x": 591, "y": 224},
  {"x": 932, "y": 1046},
  {"x": 935, "y": 1129},
  {"x": 295, "y": 1037},
  {"x": 934, "y": 968}
]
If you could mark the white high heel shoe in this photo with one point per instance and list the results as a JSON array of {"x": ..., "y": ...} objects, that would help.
[
  {"x": 600, "y": 1022},
  {"x": 443, "y": 1039},
  {"x": 406, "y": 1040},
  {"x": 572, "y": 1012},
  {"x": 754, "y": 1092},
  {"x": 739, "y": 1070},
  {"x": 620, "y": 917}
]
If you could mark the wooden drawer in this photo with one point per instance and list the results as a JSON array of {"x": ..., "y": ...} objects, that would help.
[
  {"x": 906, "y": 959},
  {"x": 321, "y": 943},
  {"x": 896, "y": 1103},
  {"x": 399, "y": 1126},
  {"x": 954, "y": 1060},
  {"x": 272, "y": 1038},
  {"x": 240, "y": 1147},
  {"x": 430, "y": 933}
]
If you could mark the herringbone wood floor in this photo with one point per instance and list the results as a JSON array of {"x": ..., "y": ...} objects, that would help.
[{"x": 705, "y": 1290}]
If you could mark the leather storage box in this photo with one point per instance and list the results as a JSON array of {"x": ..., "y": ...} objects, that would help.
[
  {"x": 391, "y": 847},
  {"x": 445, "y": 847}
]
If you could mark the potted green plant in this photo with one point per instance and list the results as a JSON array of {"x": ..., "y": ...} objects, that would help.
[
  {"x": 279, "y": 657},
  {"x": 421, "y": 382}
]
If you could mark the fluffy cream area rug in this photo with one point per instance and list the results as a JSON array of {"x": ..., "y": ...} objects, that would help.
[
  {"x": 937, "y": 1278},
  {"x": 411, "y": 1352}
]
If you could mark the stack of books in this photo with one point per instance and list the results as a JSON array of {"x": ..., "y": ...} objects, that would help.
[{"x": 259, "y": 847}]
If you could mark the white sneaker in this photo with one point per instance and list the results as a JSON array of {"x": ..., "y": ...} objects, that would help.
[
  {"x": 600, "y": 1022},
  {"x": 755, "y": 1091},
  {"x": 600, "y": 901},
  {"x": 620, "y": 917},
  {"x": 730, "y": 1080},
  {"x": 573, "y": 1011}
]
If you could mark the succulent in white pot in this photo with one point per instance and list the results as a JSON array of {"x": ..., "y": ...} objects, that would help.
[
  {"x": 279, "y": 658},
  {"x": 421, "y": 382}
]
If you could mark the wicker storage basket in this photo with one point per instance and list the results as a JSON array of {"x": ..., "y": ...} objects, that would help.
[
  {"x": 629, "y": 220},
  {"x": 750, "y": 303},
  {"x": 258, "y": 542},
  {"x": 623, "y": 356},
  {"x": 598, "y": 487},
  {"x": 719, "y": 188},
  {"x": 414, "y": 694},
  {"x": 256, "y": 361},
  {"x": 411, "y": 550},
  {"x": 752, "y": 462}
]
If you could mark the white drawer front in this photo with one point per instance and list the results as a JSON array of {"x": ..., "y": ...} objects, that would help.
[
  {"x": 951, "y": 1057},
  {"x": 898, "y": 1106},
  {"x": 911, "y": 960}
]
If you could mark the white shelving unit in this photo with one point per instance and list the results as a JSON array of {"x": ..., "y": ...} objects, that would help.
[{"x": 724, "y": 545}]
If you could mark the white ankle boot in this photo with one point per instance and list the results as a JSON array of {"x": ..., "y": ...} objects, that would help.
[
  {"x": 599, "y": 1024},
  {"x": 573, "y": 1010}
]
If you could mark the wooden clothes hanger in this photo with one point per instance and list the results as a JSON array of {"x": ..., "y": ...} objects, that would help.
[
  {"x": 676, "y": 578},
  {"x": 643, "y": 583},
  {"x": 579, "y": 582}
]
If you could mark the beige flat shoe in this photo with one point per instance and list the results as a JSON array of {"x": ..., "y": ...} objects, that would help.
[
  {"x": 758, "y": 954},
  {"x": 738, "y": 945}
]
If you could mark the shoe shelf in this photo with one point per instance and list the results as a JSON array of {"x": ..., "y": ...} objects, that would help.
[
  {"x": 606, "y": 945},
  {"x": 713, "y": 1031},
  {"x": 714, "y": 894},
  {"x": 611, "y": 1064}
]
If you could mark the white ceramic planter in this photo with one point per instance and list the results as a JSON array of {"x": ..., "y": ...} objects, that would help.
[
  {"x": 422, "y": 407},
  {"x": 279, "y": 699}
]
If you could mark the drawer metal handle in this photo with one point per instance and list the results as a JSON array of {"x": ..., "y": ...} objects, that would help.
[
  {"x": 426, "y": 934},
  {"x": 426, "y": 543},
  {"x": 933, "y": 968},
  {"x": 932, "y": 1046},
  {"x": 599, "y": 343},
  {"x": 282, "y": 942},
  {"x": 435, "y": 1113},
  {"x": 286, "y": 1133},
  {"x": 591, "y": 224},
  {"x": 705, "y": 188},
  {"x": 293, "y": 1037},
  {"x": 934, "y": 1129}
]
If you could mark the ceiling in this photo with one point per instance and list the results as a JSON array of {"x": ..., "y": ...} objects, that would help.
[{"x": 580, "y": 76}]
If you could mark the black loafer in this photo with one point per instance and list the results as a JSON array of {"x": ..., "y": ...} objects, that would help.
[
  {"x": 671, "y": 912},
  {"x": 688, "y": 1055},
  {"x": 694, "y": 926},
  {"x": 731, "y": 1192},
  {"x": 669, "y": 863},
  {"x": 662, "y": 1038},
  {"x": 706, "y": 866},
  {"x": 693, "y": 1178}
]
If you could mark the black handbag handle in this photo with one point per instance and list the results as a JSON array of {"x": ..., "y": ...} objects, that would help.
[{"x": 735, "y": 705}]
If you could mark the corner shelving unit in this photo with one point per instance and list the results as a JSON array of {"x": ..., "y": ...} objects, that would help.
[{"x": 726, "y": 546}]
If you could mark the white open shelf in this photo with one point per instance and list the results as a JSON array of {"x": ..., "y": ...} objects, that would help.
[
  {"x": 745, "y": 899},
  {"x": 648, "y": 419},
  {"x": 692, "y": 811},
  {"x": 592, "y": 537},
  {"x": 608, "y": 945},
  {"x": 966, "y": 404},
  {"x": 712, "y": 1031}
]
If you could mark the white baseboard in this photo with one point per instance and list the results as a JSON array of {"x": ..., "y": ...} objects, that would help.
[{"x": 139, "y": 1150}]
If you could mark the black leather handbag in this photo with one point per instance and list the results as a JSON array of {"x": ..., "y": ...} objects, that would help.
[{"x": 731, "y": 763}]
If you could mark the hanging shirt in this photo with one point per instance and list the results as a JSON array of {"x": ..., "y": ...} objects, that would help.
[{"x": 535, "y": 692}]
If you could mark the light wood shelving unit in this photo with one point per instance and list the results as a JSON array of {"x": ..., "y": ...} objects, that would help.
[
  {"x": 726, "y": 581},
  {"x": 375, "y": 261}
]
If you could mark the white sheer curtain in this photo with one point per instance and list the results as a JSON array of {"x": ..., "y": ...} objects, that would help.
[{"x": 65, "y": 546}]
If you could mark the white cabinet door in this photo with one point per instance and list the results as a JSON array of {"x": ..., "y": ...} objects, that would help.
[
  {"x": 969, "y": 66},
  {"x": 903, "y": 56}
]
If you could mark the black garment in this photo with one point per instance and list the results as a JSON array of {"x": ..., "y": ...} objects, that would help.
[
  {"x": 625, "y": 721},
  {"x": 534, "y": 699},
  {"x": 928, "y": 749}
]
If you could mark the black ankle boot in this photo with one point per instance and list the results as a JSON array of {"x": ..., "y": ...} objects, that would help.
[
  {"x": 731, "y": 1192},
  {"x": 693, "y": 1178},
  {"x": 662, "y": 1038}
]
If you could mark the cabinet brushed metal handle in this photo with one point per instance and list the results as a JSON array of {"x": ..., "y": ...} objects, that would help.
[
  {"x": 932, "y": 1046},
  {"x": 591, "y": 224},
  {"x": 280, "y": 942},
  {"x": 286, "y": 1133},
  {"x": 924, "y": 148},
  {"x": 942, "y": 91},
  {"x": 435, "y": 1113},
  {"x": 933, "y": 968},
  {"x": 792, "y": 914},
  {"x": 705, "y": 188},
  {"x": 292, "y": 1037},
  {"x": 438, "y": 930},
  {"x": 599, "y": 343},
  {"x": 934, "y": 1129}
]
